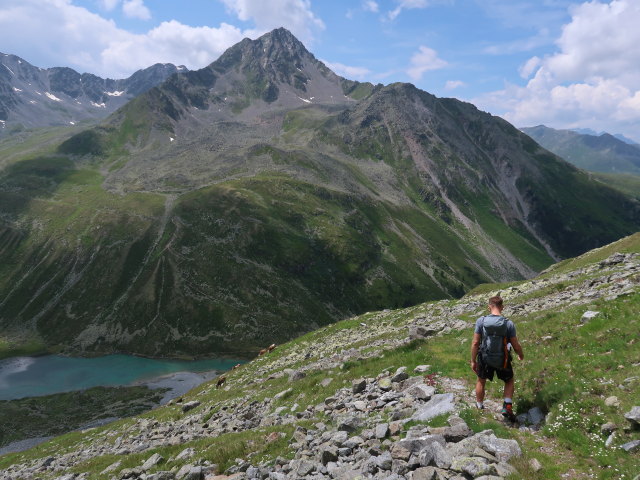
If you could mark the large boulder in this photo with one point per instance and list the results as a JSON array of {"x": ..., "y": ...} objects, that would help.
[{"x": 438, "y": 405}]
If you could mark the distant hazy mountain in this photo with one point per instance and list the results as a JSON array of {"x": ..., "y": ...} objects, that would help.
[
  {"x": 589, "y": 131},
  {"x": 603, "y": 153},
  {"x": 264, "y": 195},
  {"x": 35, "y": 97}
]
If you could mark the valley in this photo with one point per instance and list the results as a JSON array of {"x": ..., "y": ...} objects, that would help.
[{"x": 264, "y": 196}]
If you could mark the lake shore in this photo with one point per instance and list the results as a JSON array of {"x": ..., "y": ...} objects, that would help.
[{"x": 174, "y": 385}]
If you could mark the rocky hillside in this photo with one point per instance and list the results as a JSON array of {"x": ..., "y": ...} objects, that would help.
[
  {"x": 598, "y": 153},
  {"x": 264, "y": 196},
  {"x": 32, "y": 97},
  {"x": 389, "y": 395}
]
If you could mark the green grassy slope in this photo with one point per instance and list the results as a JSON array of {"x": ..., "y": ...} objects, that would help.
[{"x": 570, "y": 368}]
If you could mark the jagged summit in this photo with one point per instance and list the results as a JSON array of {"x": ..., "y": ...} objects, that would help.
[
  {"x": 263, "y": 196},
  {"x": 33, "y": 97}
]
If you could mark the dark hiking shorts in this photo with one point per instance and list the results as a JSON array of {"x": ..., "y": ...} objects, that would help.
[{"x": 486, "y": 372}]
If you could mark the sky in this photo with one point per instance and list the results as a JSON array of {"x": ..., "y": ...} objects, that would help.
[{"x": 564, "y": 64}]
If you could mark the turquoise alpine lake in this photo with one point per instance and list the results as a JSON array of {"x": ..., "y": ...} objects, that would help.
[{"x": 35, "y": 376}]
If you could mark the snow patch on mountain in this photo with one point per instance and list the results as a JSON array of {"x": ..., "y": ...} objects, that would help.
[{"x": 52, "y": 97}]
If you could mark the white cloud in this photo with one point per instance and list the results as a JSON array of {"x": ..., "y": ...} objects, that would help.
[
  {"x": 411, "y": 4},
  {"x": 295, "y": 15},
  {"x": 529, "y": 67},
  {"x": 593, "y": 80},
  {"x": 347, "y": 71},
  {"x": 370, "y": 6},
  {"x": 109, "y": 4},
  {"x": 424, "y": 60},
  {"x": 68, "y": 35},
  {"x": 136, "y": 9},
  {"x": 453, "y": 84}
]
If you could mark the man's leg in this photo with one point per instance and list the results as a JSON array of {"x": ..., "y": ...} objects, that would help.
[
  {"x": 480, "y": 389},
  {"x": 509, "y": 387},
  {"x": 507, "y": 406}
]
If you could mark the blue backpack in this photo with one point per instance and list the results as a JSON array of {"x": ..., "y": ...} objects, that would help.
[{"x": 493, "y": 348}]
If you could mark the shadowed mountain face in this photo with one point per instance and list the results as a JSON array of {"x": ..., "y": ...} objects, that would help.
[
  {"x": 597, "y": 153},
  {"x": 263, "y": 196},
  {"x": 32, "y": 97}
]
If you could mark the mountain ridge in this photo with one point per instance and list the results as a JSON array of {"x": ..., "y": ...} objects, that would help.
[
  {"x": 259, "y": 198},
  {"x": 598, "y": 153},
  {"x": 32, "y": 97}
]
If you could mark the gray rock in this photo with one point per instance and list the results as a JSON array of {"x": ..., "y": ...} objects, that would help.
[
  {"x": 608, "y": 427},
  {"x": 281, "y": 394},
  {"x": 304, "y": 468},
  {"x": 359, "y": 385},
  {"x": 438, "y": 405},
  {"x": 633, "y": 416},
  {"x": 162, "y": 476},
  {"x": 384, "y": 461},
  {"x": 424, "y": 473},
  {"x": 349, "y": 424},
  {"x": 382, "y": 430},
  {"x": 152, "y": 461},
  {"x": 400, "y": 452},
  {"x": 338, "y": 438},
  {"x": 478, "y": 452},
  {"x": 504, "y": 469},
  {"x": 502, "y": 448},
  {"x": 609, "y": 441},
  {"x": 399, "y": 467},
  {"x": 536, "y": 416},
  {"x": 441, "y": 457},
  {"x": 536, "y": 466},
  {"x": 631, "y": 447},
  {"x": 474, "y": 466},
  {"x": 422, "y": 368},
  {"x": 189, "y": 472},
  {"x": 421, "y": 391},
  {"x": 384, "y": 384},
  {"x": 111, "y": 467},
  {"x": 612, "y": 401},
  {"x": 190, "y": 405},
  {"x": 400, "y": 375},
  {"x": 326, "y": 382},
  {"x": 354, "y": 442},
  {"x": 186, "y": 453},
  {"x": 416, "y": 445},
  {"x": 328, "y": 453},
  {"x": 417, "y": 332},
  {"x": 360, "y": 405},
  {"x": 453, "y": 434},
  {"x": 296, "y": 375},
  {"x": 588, "y": 315}
]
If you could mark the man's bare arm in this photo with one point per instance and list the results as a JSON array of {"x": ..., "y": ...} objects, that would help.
[
  {"x": 517, "y": 347},
  {"x": 475, "y": 346}
]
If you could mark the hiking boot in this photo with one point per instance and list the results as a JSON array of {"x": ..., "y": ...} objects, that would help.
[{"x": 507, "y": 412}]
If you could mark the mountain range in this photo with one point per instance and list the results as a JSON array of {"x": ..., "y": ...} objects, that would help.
[
  {"x": 598, "y": 153},
  {"x": 32, "y": 97},
  {"x": 264, "y": 196}
]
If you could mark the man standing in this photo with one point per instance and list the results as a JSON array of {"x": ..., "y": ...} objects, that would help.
[{"x": 493, "y": 337}]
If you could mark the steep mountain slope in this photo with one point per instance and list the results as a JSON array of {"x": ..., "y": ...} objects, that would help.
[
  {"x": 264, "y": 196},
  {"x": 34, "y": 97},
  {"x": 604, "y": 153},
  {"x": 357, "y": 400}
]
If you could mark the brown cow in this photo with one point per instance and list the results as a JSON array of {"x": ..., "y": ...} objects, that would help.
[
  {"x": 221, "y": 380},
  {"x": 262, "y": 352},
  {"x": 271, "y": 347}
]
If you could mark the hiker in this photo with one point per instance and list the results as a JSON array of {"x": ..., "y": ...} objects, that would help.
[{"x": 493, "y": 338}]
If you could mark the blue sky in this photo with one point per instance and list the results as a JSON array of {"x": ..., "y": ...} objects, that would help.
[{"x": 555, "y": 62}]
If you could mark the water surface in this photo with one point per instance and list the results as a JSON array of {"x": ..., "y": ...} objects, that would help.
[{"x": 35, "y": 376}]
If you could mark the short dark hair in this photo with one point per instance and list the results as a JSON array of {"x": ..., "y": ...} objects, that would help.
[{"x": 496, "y": 301}]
